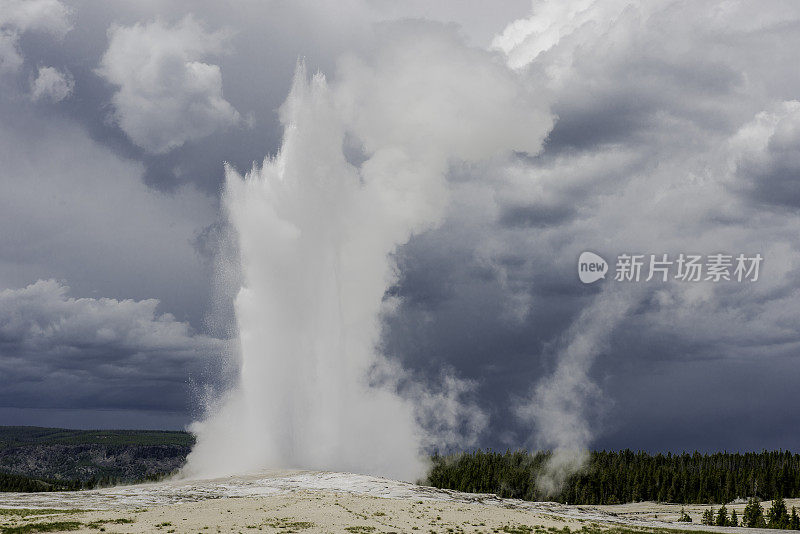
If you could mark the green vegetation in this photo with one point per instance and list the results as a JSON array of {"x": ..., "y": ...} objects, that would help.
[
  {"x": 721, "y": 518},
  {"x": 53, "y": 459},
  {"x": 14, "y": 436},
  {"x": 587, "y": 529},
  {"x": 753, "y": 514},
  {"x": 57, "y": 526},
  {"x": 25, "y": 512},
  {"x": 99, "y": 524},
  {"x": 60, "y": 526},
  {"x": 284, "y": 523},
  {"x": 626, "y": 476},
  {"x": 777, "y": 517},
  {"x": 9, "y": 482}
]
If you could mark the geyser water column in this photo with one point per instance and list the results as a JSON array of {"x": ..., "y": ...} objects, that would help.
[{"x": 315, "y": 235}]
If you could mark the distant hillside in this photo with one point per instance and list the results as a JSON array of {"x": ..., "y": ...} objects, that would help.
[
  {"x": 27, "y": 435},
  {"x": 56, "y": 458}
]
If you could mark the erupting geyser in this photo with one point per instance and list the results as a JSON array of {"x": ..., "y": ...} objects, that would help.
[{"x": 315, "y": 234}]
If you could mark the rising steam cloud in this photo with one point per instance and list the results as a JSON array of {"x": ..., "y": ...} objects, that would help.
[
  {"x": 316, "y": 229},
  {"x": 558, "y": 406}
]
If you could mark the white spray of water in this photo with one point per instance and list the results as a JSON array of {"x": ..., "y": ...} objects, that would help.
[
  {"x": 559, "y": 404},
  {"x": 315, "y": 235}
]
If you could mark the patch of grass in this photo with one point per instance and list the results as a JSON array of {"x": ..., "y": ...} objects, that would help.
[
  {"x": 24, "y": 512},
  {"x": 596, "y": 529},
  {"x": 288, "y": 524},
  {"x": 516, "y": 529},
  {"x": 56, "y": 526},
  {"x": 360, "y": 529},
  {"x": 100, "y": 523}
]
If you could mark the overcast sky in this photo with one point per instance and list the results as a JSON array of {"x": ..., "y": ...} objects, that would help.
[{"x": 675, "y": 129}]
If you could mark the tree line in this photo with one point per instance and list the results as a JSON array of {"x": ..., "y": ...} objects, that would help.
[
  {"x": 613, "y": 477},
  {"x": 20, "y": 483},
  {"x": 11, "y": 482},
  {"x": 777, "y": 516}
]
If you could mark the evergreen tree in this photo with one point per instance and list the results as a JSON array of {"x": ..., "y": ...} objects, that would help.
[
  {"x": 753, "y": 514},
  {"x": 794, "y": 520},
  {"x": 722, "y": 517},
  {"x": 685, "y": 518},
  {"x": 708, "y": 517},
  {"x": 778, "y": 516},
  {"x": 734, "y": 520}
]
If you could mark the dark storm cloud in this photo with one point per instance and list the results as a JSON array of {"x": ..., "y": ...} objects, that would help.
[
  {"x": 683, "y": 406},
  {"x": 60, "y": 352},
  {"x": 535, "y": 215},
  {"x": 658, "y": 123}
]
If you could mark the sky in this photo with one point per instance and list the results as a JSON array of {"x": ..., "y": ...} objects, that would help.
[{"x": 667, "y": 127}]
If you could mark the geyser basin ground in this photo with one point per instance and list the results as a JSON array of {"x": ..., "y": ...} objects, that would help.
[{"x": 312, "y": 501}]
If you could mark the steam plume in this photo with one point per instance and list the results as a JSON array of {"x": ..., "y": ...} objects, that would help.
[
  {"x": 559, "y": 405},
  {"x": 315, "y": 233}
]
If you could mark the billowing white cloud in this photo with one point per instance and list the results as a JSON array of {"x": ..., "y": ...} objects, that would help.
[
  {"x": 42, "y": 315},
  {"x": 551, "y": 22},
  {"x": 50, "y": 16},
  {"x": 52, "y": 84},
  {"x": 166, "y": 94},
  {"x": 19, "y": 16}
]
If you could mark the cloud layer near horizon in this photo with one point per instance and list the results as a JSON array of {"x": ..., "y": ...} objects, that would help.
[{"x": 62, "y": 352}]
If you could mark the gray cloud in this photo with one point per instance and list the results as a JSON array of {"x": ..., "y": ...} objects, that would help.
[
  {"x": 768, "y": 157},
  {"x": 19, "y": 16},
  {"x": 72, "y": 210},
  {"x": 51, "y": 84}
]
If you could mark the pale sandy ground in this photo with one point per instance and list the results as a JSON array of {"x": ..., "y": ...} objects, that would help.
[
  {"x": 314, "y": 512},
  {"x": 311, "y": 502}
]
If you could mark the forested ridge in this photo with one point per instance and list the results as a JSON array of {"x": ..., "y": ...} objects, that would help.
[
  {"x": 12, "y": 482},
  {"x": 612, "y": 477},
  {"x": 56, "y": 459}
]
